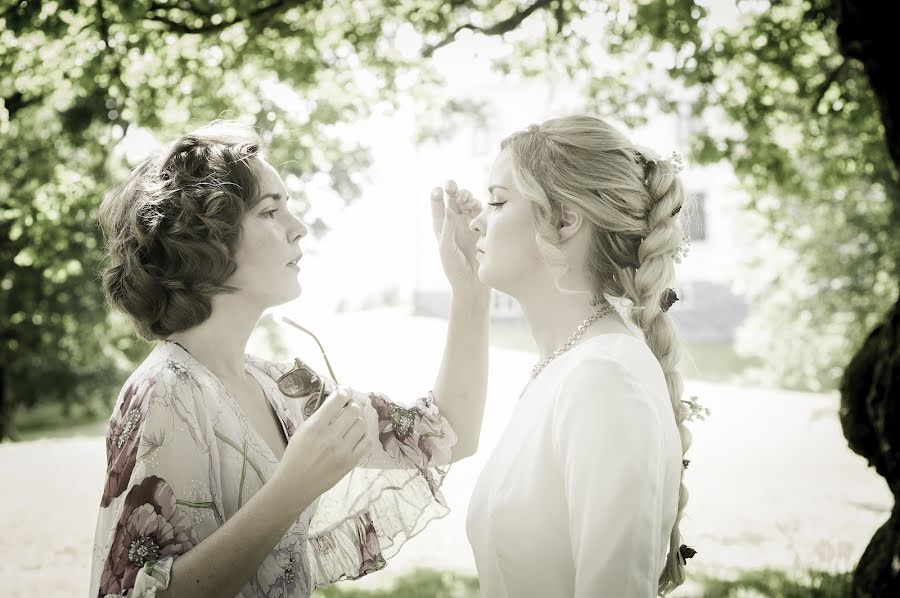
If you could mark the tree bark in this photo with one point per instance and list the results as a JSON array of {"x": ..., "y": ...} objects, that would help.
[
  {"x": 870, "y": 418},
  {"x": 870, "y": 389},
  {"x": 6, "y": 408}
]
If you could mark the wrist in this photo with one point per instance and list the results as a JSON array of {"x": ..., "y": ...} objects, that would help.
[
  {"x": 282, "y": 490},
  {"x": 471, "y": 299}
]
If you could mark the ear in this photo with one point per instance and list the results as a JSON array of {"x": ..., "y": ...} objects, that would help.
[{"x": 570, "y": 223}]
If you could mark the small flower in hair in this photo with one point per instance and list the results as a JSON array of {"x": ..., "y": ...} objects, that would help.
[
  {"x": 676, "y": 161},
  {"x": 680, "y": 252},
  {"x": 668, "y": 299},
  {"x": 697, "y": 410},
  {"x": 686, "y": 552},
  {"x": 685, "y": 463}
]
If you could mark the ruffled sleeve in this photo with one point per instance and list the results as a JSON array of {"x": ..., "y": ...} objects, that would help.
[
  {"x": 609, "y": 442},
  {"x": 161, "y": 495},
  {"x": 389, "y": 497}
]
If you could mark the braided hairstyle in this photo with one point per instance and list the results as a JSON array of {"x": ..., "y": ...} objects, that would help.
[
  {"x": 172, "y": 227},
  {"x": 631, "y": 200}
]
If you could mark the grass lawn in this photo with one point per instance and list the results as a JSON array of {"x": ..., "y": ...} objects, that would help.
[
  {"x": 51, "y": 421},
  {"x": 774, "y": 583}
]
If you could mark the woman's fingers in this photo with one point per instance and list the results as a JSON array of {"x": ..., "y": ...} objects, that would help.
[
  {"x": 333, "y": 404},
  {"x": 437, "y": 211},
  {"x": 452, "y": 190},
  {"x": 360, "y": 447},
  {"x": 357, "y": 421},
  {"x": 350, "y": 412},
  {"x": 461, "y": 207},
  {"x": 453, "y": 203},
  {"x": 470, "y": 207}
]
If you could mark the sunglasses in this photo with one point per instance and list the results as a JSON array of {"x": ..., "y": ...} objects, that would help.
[{"x": 301, "y": 382}]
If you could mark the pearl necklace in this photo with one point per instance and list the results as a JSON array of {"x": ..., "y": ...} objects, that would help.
[{"x": 602, "y": 311}]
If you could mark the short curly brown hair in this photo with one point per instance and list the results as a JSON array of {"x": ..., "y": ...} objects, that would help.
[{"x": 172, "y": 227}]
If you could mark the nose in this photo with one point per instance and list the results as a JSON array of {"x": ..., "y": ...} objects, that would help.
[
  {"x": 476, "y": 224},
  {"x": 297, "y": 230}
]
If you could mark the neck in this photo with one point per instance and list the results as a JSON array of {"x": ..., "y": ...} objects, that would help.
[
  {"x": 220, "y": 342},
  {"x": 553, "y": 317}
]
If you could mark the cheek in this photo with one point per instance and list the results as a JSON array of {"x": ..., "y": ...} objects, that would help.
[
  {"x": 251, "y": 251},
  {"x": 512, "y": 234}
]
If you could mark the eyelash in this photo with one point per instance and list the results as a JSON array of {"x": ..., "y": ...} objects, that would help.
[
  {"x": 267, "y": 212},
  {"x": 496, "y": 205}
]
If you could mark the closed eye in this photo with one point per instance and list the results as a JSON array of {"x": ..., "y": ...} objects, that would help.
[{"x": 496, "y": 205}]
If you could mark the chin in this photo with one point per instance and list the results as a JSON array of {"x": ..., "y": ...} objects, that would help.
[{"x": 484, "y": 276}]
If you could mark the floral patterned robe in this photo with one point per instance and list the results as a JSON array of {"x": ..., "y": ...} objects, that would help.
[{"x": 182, "y": 458}]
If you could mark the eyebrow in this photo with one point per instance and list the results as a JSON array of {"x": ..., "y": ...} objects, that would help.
[{"x": 275, "y": 196}]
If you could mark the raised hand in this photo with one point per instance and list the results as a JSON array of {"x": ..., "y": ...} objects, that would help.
[
  {"x": 325, "y": 447},
  {"x": 456, "y": 240}
]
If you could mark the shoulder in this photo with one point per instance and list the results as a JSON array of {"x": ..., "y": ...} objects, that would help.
[
  {"x": 607, "y": 378},
  {"x": 165, "y": 380},
  {"x": 602, "y": 402},
  {"x": 595, "y": 374},
  {"x": 612, "y": 363},
  {"x": 273, "y": 369}
]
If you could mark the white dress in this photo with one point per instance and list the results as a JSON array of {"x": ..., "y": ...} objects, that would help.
[{"x": 580, "y": 494}]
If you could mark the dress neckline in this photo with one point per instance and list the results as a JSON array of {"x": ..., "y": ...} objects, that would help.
[
  {"x": 249, "y": 368},
  {"x": 604, "y": 336}
]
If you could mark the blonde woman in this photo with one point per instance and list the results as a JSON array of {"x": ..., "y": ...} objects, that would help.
[
  {"x": 230, "y": 475},
  {"x": 583, "y": 494}
]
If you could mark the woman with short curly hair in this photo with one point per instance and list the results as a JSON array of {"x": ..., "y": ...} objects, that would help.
[
  {"x": 583, "y": 495},
  {"x": 227, "y": 474}
]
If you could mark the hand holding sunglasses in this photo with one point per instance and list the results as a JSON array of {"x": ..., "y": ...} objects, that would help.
[
  {"x": 301, "y": 382},
  {"x": 325, "y": 448}
]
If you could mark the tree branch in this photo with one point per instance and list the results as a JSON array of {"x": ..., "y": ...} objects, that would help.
[
  {"x": 832, "y": 77},
  {"x": 185, "y": 6},
  {"x": 208, "y": 26},
  {"x": 497, "y": 29},
  {"x": 116, "y": 71}
]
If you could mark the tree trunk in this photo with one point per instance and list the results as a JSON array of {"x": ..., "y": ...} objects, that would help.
[
  {"x": 870, "y": 389},
  {"x": 6, "y": 408},
  {"x": 870, "y": 418}
]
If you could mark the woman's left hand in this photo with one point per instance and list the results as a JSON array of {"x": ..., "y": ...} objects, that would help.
[{"x": 456, "y": 240}]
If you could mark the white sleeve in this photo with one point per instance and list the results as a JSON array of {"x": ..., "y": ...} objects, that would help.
[{"x": 608, "y": 441}]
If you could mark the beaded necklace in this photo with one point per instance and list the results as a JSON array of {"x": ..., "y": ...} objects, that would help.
[{"x": 538, "y": 367}]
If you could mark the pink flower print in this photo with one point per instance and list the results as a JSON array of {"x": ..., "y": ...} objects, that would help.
[
  {"x": 123, "y": 437},
  {"x": 289, "y": 426},
  {"x": 369, "y": 548},
  {"x": 407, "y": 433},
  {"x": 396, "y": 427},
  {"x": 149, "y": 529}
]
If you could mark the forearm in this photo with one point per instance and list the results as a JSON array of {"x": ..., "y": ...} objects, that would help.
[
  {"x": 223, "y": 562},
  {"x": 461, "y": 385}
]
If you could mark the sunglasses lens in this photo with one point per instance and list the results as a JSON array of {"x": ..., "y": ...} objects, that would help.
[
  {"x": 299, "y": 383},
  {"x": 312, "y": 404}
]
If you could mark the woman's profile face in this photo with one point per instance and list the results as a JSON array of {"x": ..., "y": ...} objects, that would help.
[
  {"x": 509, "y": 257},
  {"x": 268, "y": 253}
]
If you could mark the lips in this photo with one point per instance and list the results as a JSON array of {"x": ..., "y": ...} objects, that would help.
[{"x": 294, "y": 261}]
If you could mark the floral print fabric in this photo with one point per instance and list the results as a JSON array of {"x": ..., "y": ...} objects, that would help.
[{"x": 182, "y": 458}]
